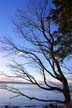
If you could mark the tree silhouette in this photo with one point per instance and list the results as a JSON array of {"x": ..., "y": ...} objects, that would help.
[
  {"x": 62, "y": 15},
  {"x": 42, "y": 47}
]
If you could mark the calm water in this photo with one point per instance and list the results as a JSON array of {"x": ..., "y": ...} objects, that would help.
[{"x": 31, "y": 90}]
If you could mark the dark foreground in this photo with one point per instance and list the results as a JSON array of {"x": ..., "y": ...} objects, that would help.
[
  {"x": 46, "y": 106},
  {"x": 56, "y": 106}
]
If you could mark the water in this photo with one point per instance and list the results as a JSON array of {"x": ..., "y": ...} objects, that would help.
[{"x": 30, "y": 90}]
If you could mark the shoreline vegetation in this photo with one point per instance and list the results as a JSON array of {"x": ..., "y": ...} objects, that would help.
[{"x": 57, "y": 106}]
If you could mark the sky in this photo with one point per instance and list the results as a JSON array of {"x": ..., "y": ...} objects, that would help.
[{"x": 8, "y": 9}]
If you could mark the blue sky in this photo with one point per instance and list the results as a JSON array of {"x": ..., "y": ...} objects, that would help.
[{"x": 8, "y": 9}]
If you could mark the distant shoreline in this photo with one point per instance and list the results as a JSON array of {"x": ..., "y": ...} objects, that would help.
[
  {"x": 10, "y": 82},
  {"x": 14, "y": 82}
]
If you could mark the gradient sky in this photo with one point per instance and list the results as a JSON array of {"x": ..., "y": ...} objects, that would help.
[{"x": 8, "y": 9}]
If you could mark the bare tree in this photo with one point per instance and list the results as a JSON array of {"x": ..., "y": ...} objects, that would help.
[{"x": 40, "y": 46}]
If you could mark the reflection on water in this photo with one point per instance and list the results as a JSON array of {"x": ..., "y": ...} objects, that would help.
[{"x": 31, "y": 90}]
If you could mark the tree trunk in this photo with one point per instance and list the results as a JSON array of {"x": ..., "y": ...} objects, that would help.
[{"x": 66, "y": 93}]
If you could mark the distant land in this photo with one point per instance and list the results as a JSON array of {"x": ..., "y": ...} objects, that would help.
[{"x": 14, "y": 82}]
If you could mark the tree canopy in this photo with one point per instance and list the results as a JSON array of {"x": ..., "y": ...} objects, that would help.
[{"x": 62, "y": 15}]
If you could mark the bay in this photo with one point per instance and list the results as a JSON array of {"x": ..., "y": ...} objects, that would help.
[{"x": 30, "y": 90}]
